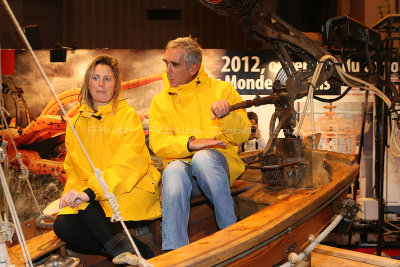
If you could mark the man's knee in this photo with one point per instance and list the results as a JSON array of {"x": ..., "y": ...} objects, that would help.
[
  {"x": 203, "y": 157},
  {"x": 175, "y": 178}
]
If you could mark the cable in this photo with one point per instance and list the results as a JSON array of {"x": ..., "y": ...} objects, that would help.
[
  {"x": 294, "y": 258},
  {"x": 350, "y": 81},
  {"x": 97, "y": 172},
  {"x": 14, "y": 215},
  {"x": 310, "y": 99},
  {"x": 330, "y": 100},
  {"x": 7, "y": 195},
  {"x": 24, "y": 170}
]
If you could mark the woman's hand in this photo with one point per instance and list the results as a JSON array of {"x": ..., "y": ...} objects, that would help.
[{"x": 73, "y": 198}]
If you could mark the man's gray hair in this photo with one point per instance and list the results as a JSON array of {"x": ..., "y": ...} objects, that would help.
[{"x": 191, "y": 47}]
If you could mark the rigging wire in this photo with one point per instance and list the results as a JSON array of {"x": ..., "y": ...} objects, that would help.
[
  {"x": 11, "y": 206},
  {"x": 24, "y": 170},
  {"x": 97, "y": 172},
  {"x": 350, "y": 81},
  {"x": 330, "y": 100},
  {"x": 14, "y": 215},
  {"x": 9, "y": 200}
]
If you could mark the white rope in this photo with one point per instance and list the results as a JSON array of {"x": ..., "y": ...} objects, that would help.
[
  {"x": 7, "y": 232},
  {"x": 116, "y": 213},
  {"x": 7, "y": 195},
  {"x": 24, "y": 170},
  {"x": 294, "y": 258},
  {"x": 97, "y": 173},
  {"x": 14, "y": 215},
  {"x": 310, "y": 99}
]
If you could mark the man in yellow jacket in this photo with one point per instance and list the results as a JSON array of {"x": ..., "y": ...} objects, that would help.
[{"x": 192, "y": 129}]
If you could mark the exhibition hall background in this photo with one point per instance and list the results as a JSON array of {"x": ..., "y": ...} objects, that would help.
[{"x": 136, "y": 32}]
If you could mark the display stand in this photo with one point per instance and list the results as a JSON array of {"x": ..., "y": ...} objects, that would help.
[{"x": 390, "y": 26}]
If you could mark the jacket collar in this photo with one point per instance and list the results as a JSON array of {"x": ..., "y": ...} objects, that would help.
[
  {"x": 196, "y": 82},
  {"x": 87, "y": 111}
]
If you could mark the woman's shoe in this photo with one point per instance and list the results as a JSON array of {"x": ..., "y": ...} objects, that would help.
[{"x": 130, "y": 259}]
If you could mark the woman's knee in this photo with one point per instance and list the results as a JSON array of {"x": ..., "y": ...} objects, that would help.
[{"x": 60, "y": 226}]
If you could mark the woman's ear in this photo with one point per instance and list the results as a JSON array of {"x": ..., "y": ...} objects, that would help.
[{"x": 194, "y": 68}]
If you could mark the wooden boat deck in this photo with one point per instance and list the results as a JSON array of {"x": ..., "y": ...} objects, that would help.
[
  {"x": 266, "y": 233},
  {"x": 322, "y": 256},
  {"x": 325, "y": 256}
]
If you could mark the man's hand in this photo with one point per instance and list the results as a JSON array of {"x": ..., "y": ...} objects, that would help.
[
  {"x": 220, "y": 108},
  {"x": 198, "y": 144},
  {"x": 73, "y": 198}
]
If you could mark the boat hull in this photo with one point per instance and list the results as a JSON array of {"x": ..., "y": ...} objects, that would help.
[{"x": 263, "y": 237}]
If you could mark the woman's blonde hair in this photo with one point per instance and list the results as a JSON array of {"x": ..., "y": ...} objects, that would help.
[{"x": 105, "y": 60}]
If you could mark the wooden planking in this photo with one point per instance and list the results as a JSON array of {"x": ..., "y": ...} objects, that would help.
[
  {"x": 37, "y": 247},
  {"x": 273, "y": 253},
  {"x": 237, "y": 187},
  {"x": 320, "y": 260},
  {"x": 259, "y": 197},
  {"x": 202, "y": 218},
  {"x": 341, "y": 255},
  {"x": 255, "y": 229}
]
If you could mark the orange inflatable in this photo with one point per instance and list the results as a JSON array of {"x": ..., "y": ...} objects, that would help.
[{"x": 41, "y": 143}]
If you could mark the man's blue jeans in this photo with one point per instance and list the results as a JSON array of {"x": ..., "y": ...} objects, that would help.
[{"x": 208, "y": 173}]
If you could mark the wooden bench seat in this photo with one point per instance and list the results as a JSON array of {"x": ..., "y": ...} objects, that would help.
[
  {"x": 202, "y": 209},
  {"x": 46, "y": 243},
  {"x": 238, "y": 187},
  {"x": 38, "y": 246}
]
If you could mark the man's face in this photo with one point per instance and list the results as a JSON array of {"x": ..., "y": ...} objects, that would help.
[{"x": 176, "y": 68}]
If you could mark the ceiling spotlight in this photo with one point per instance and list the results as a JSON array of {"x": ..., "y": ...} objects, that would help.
[{"x": 59, "y": 53}]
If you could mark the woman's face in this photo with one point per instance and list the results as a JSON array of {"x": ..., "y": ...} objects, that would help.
[{"x": 102, "y": 85}]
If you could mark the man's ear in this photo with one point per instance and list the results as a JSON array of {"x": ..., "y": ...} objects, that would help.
[{"x": 194, "y": 68}]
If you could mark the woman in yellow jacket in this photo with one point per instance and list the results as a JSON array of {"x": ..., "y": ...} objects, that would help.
[{"x": 112, "y": 134}]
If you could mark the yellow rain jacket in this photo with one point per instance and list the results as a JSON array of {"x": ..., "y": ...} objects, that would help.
[
  {"x": 176, "y": 114},
  {"x": 115, "y": 143}
]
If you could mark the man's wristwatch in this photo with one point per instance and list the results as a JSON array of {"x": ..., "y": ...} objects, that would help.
[{"x": 190, "y": 140}]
